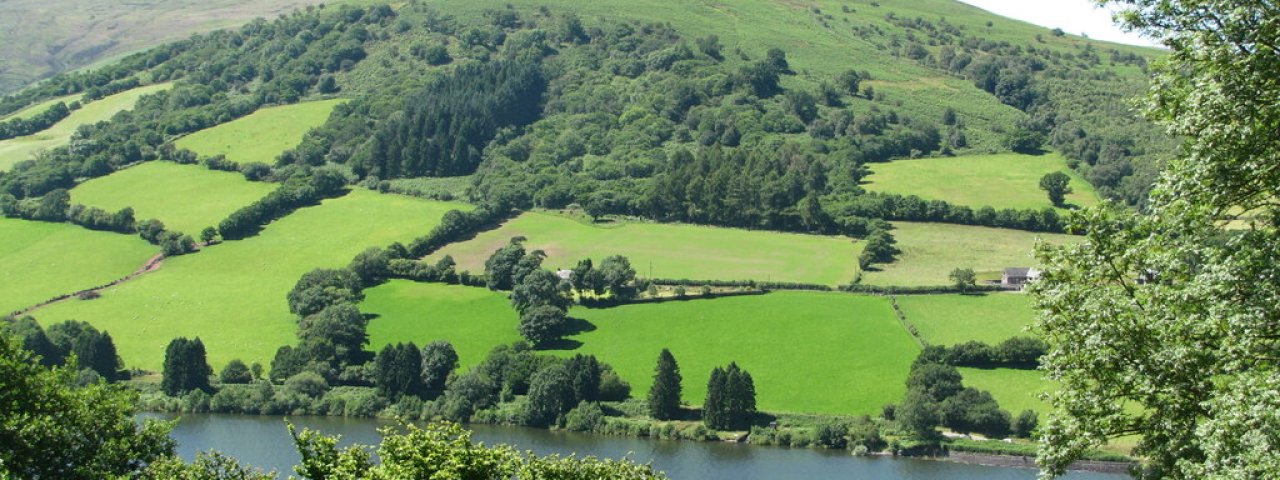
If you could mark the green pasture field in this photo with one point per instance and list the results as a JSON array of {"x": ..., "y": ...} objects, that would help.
[
  {"x": 1006, "y": 180},
  {"x": 952, "y": 319},
  {"x": 15, "y": 150},
  {"x": 187, "y": 198},
  {"x": 41, "y": 107},
  {"x": 1016, "y": 390},
  {"x": 930, "y": 251},
  {"x": 261, "y": 135},
  {"x": 672, "y": 251},
  {"x": 43, "y": 260},
  {"x": 810, "y": 352},
  {"x": 473, "y": 319},
  {"x": 232, "y": 295}
]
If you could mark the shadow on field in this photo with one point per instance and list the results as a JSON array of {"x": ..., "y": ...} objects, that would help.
[{"x": 573, "y": 326}]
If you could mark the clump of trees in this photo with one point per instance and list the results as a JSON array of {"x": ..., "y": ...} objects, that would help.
[
  {"x": 94, "y": 350},
  {"x": 936, "y": 396},
  {"x": 186, "y": 367},
  {"x": 731, "y": 399}
]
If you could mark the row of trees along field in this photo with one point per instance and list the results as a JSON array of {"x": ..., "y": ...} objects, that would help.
[{"x": 548, "y": 110}]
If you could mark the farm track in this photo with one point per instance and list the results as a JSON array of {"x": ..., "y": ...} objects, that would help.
[{"x": 152, "y": 264}]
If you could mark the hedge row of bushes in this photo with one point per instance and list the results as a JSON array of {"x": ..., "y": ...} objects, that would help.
[
  {"x": 294, "y": 193},
  {"x": 685, "y": 282},
  {"x": 18, "y": 127}
]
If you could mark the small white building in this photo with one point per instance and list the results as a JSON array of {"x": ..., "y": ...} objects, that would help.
[
  {"x": 565, "y": 274},
  {"x": 1017, "y": 277}
]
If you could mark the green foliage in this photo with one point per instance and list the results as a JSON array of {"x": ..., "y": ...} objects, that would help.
[
  {"x": 443, "y": 450},
  {"x": 550, "y": 396},
  {"x": 185, "y": 367},
  {"x": 52, "y": 429},
  {"x": 439, "y": 360},
  {"x": 543, "y": 324},
  {"x": 1026, "y": 423},
  {"x": 664, "y": 395},
  {"x": 1057, "y": 185},
  {"x": 1190, "y": 344},
  {"x": 964, "y": 278},
  {"x": 445, "y": 127},
  {"x": 731, "y": 399},
  {"x": 397, "y": 371},
  {"x": 235, "y": 372},
  {"x": 540, "y": 288},
  {"x": 93, "y": 349},
  {"x": 322, "y": 288},
  {"x": 206, "y": 466},
  {"x": 499, "y": 269}
]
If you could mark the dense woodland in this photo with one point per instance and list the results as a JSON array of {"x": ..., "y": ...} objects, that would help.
[{"x": 617, "y": 118}]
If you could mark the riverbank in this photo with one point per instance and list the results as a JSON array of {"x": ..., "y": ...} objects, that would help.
[
  {"x": 863, "y": 436},
  {"x": 263, "y": 441}
]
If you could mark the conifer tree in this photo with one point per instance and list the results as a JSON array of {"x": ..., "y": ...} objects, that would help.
[{"x": 664, "y": 396}]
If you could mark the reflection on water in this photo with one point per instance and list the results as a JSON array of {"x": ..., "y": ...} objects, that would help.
[{"x": 263, "y": 441}]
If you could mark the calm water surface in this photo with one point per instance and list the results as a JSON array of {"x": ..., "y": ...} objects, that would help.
[{"x": 263, "y": 441}]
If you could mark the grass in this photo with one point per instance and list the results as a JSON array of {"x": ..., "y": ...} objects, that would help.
[
  {"x": 672, "y": 251},
  {"x": 473, "y": 319},
  {"x": 1016, "y": 390},
  {"x": 261, "y": 135},
  {"x": 39, "y": 108},
  {"x": 232, "y": 295},
  {"x": 1007, "y": 180},
  {"x": 186, "y": 198},
  {"x": 807, "y": 351},
  {"x": 930, "y": 251},
  {"x": 44, "y": 260},
  {"x": 952, "y": 319},
  {"x": 15, "y": 150}
]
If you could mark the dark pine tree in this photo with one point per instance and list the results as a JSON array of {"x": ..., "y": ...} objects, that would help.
[
  {"x": 185, "y": 367},
  {"x": 398, "y": 371},
  {"x": 664, "y": 396}
]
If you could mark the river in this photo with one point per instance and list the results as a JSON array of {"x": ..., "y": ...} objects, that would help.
[{"x": 264, "y": 442}]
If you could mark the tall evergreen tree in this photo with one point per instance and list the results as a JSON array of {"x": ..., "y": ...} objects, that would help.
[
  {"x": 713, "y": 411},
  {"x": 185, "y": 366},
  {"x": 664, "y": 395}
]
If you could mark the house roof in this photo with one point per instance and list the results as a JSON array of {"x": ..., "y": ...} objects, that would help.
[{"x": 1017, "y": 272}]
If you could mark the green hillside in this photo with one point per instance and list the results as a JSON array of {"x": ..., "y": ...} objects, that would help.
[
  {"x": 260, "y": 136},
  {"x": 930, "y": 251},
  {"x": 671, "y": 251},
  {"x": 999, "y": 181},
  {"x": 232, "y": 295},
  {"x": 187, "y": 198},
  {"x": 15, "y": 150},
  {"x": 768, "y": 140},
  {"x": 45, "y": 260}
]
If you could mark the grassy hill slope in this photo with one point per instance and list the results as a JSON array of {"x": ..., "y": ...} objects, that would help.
[
  {"x": 232, "y": 295},
  {"x": 15, "y": 150},
  {"x": 672, "y": 251},
  {"x": 43, "y": 260},
  {"x": 187, "y": 198}
]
